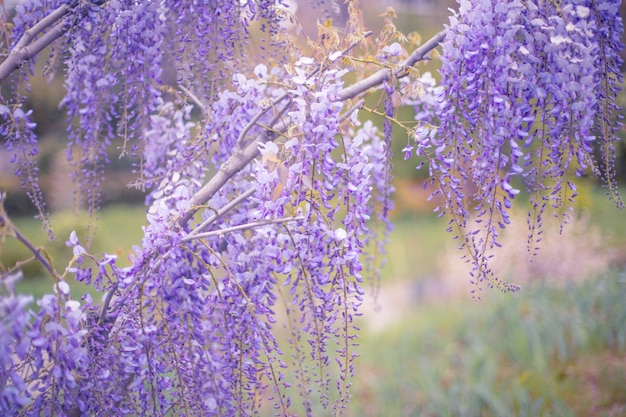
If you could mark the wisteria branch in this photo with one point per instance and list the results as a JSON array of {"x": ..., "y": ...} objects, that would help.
[
  {"x": 250, "y": 192},
  {"x": 244, "y": 226},
  {"x": 193, "y": 98},
  {"x": 359, "y": 104},
  {"x": 234, "y": 164},
  {"x": 237, "y": 161},
  {"x": 384, "y": 74},
  {"x": 219, "y": 213},
  {"x": 255, "y": 120},
  {"x": 26, "y": 48},
  {"x": 5, "y": 222}
]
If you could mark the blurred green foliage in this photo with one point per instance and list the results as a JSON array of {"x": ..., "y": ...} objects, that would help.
[
  {"x": 549, "y": 351},
  {"x": 512, "y": 355},
  {"x": 118, "y": 228}
]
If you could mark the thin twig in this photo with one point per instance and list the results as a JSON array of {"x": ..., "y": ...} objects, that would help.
[
  {"x": 245, "y": 226},
  {"x": 219, "y": 213},
  {"x": 255, "y": 119},
  {"x": 5, "y": 222},
  {"x": 351, "y": 110},
  {"x": 343, "y": 53},
  {"x": 193, "y": 98},
  {"x": 235, "y": 163},
  {"x": 107, "y": 302}
]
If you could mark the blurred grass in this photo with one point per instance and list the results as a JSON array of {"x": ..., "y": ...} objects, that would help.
[
  {"x": 549, "y": 352},
  {"x": 528, "y": 354}
]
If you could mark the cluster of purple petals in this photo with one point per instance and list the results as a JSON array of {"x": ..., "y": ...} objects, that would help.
[
  {"x": 171, "y": 158},
  {"x": 206, "y": 35},
  {"x": 209, "y": 39},
  {"x": 45, "y": 362},
  {"x": 316, "y": 257},
  {"x": 139, "y": 29},
  {"x": 524, "y": 98},
  {"x": 90, "y": 103},
  {"x": 378, "y": 153},
  {"x": 187, "y": 329},
  {"x": 608, "y": 31},
  {"x": 19, "y": 130},
  {"x": 162, "y": 340},
  {"x": 117, "y": 47},
  {"x": 362, "y": 170},
  {"x": 324, "y": 253},
  {"x": 115, "y": 54},
  {"x": 375, "y": 151},
  {"x": 14, "y": 323},
  {"x": 15, "y": 122},
  {"x": 163, "y": 346},
  {"x": 387, "y": 204},
  {"x": 155, "y": 345}
]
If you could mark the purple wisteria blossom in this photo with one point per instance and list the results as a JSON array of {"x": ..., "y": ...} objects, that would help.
[
  {"x": 14, "y": 322},
  {"x": 521, "y": 108},
  {"x": 18, "y": 129},
  {"x": 44, "y": 362}
]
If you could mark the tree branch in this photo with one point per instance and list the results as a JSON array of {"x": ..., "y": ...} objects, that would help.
[
  {"x": 383, "y": 75},
  {"x": 351, "y": 110},
  {"x": 255, "y": 119},
  {"x": 240, "y": 158},
  {"x": 234, "y": 164},
  {"x": 5, "y": 222},
  {"x": 244, "y": 226},
  {"x": 44, "y": 23},
  {"x": 195, "y": 99},
  {"x": 26, "y": 48},
  {"x": 219, "y": 213}
]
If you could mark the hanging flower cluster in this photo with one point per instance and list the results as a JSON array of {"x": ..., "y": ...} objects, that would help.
[
  {"x": 19, "y": 130},
  {"x": 529, "y": 87},
  {"x": 114, "y": 54},
  {"x": 188, "y": 328},
  {"x": 14, "y": 320},
  {"x": 45, "y": 360}
]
